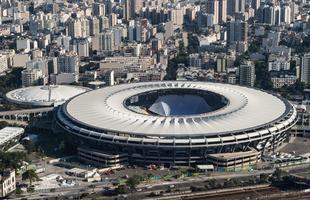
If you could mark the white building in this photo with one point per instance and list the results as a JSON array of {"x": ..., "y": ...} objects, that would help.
[
  {"x": 286, "y": 14},
  {"x": 31, "y": 76},
  {"x": 177, "y": 16},
  {"x": 3, "y": 63},
  {"x": 109, "y": 78},
  {"x": 7, "y": 182},
  {"x": 20, "y": 60},
  {"x": 38, "y": 63},
  {"x": 279, "y": 82},
  {"x": 64, "y": 78},
  {"x": 68, "y": 63},
  {"x": 279, "y": 64},
  {"x": 194, "y": 60},
  {"x": 23, "y": 44}
]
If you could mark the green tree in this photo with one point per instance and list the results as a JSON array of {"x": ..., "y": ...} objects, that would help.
[
  {"x": 61, "y": 146},
  {"x": 263, "y": 79},
  {"x": 30, "y": 175},
  {"x": 11, "y": 160},
  {"x": 173, "y": 65},
  {"x": 121, "y": 189},
  {"x": 133, "y": 181}
]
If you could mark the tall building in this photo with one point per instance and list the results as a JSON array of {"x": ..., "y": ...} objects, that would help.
[
  {"x": 31, "y": 77},
  {"x": 3, "y": 63},
  {"x": 268, "y": 14},
  {"x": 108, "y": 6},
  {"x": 195, "y": 60},
  {"x": 247, "y": 74},
  {"x": 213, "y": 8},
  {"x": 305, "y": 68},
  {"x": 237, "y": 31},
  {"x": 68, "y": 63},
  {"x": 255, "y": 4},
  {"x": 222, "y": 11},
  {"x": 109, "y": 78},
  {"x": 77, "y": 27},
  {"x": 235, "y": 6},
  {"x": 94, "y": 26},
  {"x": 98, "y": 9},
  {"x": 131, "y": 8},
  {"x": 105, "y": 41},
  {"x": 138, "y": 6},
  {"x": 177, "y": 16},
  {"x": 286, "y": 14}
]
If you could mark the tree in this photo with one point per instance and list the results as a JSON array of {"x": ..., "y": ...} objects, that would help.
[
  {"x": 121, "y": 189},
  {"x": 30, "y": 175},
  {"x": 173, "y": 65},
  {"x": 133, "y": 181},
  {"x": 11, "y": 160},
  {"x": 277, "y": 174},
  {"x": 264, "y": 178},
  {"x": 61, "y": 146}
]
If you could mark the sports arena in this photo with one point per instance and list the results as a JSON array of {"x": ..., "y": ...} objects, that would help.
[{"x": 177, "y": 123}]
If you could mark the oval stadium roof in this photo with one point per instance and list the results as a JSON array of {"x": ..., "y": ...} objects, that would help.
[
  {"x": 44, "y": 95},
  {"x": 247, "y": 109}
]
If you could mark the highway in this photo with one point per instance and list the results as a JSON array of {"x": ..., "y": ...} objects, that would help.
[{"x": 26, "y": 111}]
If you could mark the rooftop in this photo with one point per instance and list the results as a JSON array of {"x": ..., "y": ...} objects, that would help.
[
  {"x": 9, "y": 133},
  {"x": 47, "y": 95}
]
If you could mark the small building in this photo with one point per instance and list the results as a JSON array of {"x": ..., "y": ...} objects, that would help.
[
  {"x": 7, "y": 182},
  {"x": 9, "y": 136},
  {"x": 101, "y": 159},
  {"x": 236, "y": 161},
  {"x": 205, "y": 168}
]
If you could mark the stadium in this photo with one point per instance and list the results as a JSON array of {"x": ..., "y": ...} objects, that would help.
[
  {"x": 43, "y": 95},
  {"x": 177, "y": 123}
]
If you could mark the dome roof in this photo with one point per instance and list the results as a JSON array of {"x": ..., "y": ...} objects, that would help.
[
  {"x": 46, "y": 95},
  {"x": 172, "y": 105}
]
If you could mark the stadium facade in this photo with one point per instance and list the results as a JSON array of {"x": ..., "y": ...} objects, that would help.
[{"x": 177, "y": 123}]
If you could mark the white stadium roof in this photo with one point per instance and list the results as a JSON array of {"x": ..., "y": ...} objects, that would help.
[
  {"x": 44, "y": 95},
  {"x": 247, "y": 109}
]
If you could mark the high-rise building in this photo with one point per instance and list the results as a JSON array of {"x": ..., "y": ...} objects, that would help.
[
  {"x": 305, "y": 68},
  {"x": 247, "y": 74},
  {"x": 0, "y": 15},
  {"x": 138, "y": 5},
  {"x": 107, "y": 41},
  {"x": 3, "y": 63},
  {"x": 222, "y": 11},
  {"x": 255, "y": 4},
  {"x": 98, "y": 9},
  {"x": 108, "y": 6},
  {"x": 177, "y": 16},
  {"x": 237, "y": 31},
  {"x": 31, "y": 76},
  {"x": 109, "y": 78},
  {"x": 235, "y": 6},
  {"x": 213, "y": 8},
  {"x": 131, "y": 8},
  {"x": 277, "y": 15},
  {"x": 68, "y": 63},
  {"x": 221, "y": 64},
  {"x": 94, "y": 26},
  {"x": 77, "y": 27},
  {"x": 286, "y": 14},
  {"x": 195, "y": 60}
]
